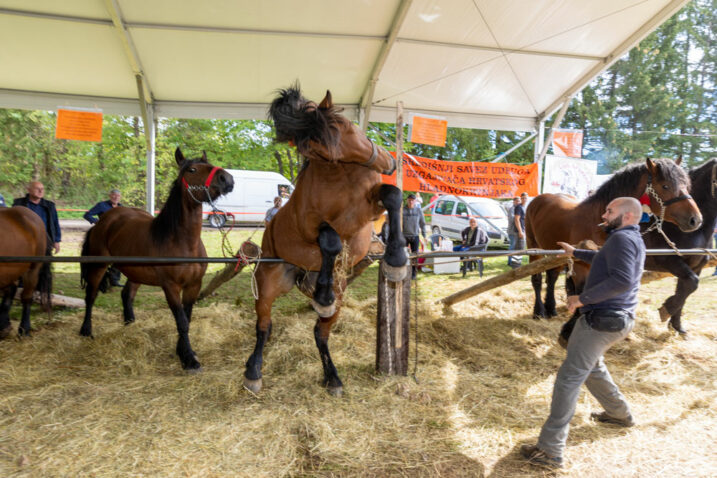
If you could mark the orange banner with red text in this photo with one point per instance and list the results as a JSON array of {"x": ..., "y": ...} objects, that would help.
[{"x": 493, "y": 180}]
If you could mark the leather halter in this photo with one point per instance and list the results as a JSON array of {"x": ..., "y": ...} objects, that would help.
[
  {"x": 372, "y": 159},
  {"x": 649, "y": 190}
]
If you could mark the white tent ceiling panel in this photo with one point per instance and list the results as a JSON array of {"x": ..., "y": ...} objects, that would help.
[
  {"x": 41, "y": 48},
  {"x": 239, "y": 67},
  {"x": 473, "y": 61},
  {"x": 427, "y": 76},
  {"x": 365, "y": 17}
]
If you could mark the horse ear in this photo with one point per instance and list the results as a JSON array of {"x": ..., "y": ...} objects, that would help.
[
  {"x": 204, "y": 157},
  {"x": 651, "y": 167},
  {"x": 326, "y": 103},
  {"x": 678, "y": 161},
  {"x": 178, "y": 156}
]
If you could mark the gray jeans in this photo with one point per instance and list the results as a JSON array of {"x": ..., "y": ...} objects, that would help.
[{"x": 583, "y": 364}]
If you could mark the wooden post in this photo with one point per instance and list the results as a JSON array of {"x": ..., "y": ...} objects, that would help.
[{"x": 392, "y": 322}]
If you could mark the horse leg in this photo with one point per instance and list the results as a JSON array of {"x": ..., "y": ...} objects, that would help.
[
  {"x": 272, "y": 281},
  {"x": 184, "y": 348},
  {"x": 93, "y": 277},
  {"x": 395, "y": 254},
  {"x": 687, "y": 283},
  {"x": 551, "y": 277},
  {"x": 29, "y": 282},
  {"x": 129, "y": 291},
  {"x": 189, "y": 297},
  {"x": 330, "y": 246},
  {"x": 8, "y": 296},
  {"x": 539, "y": 308},
  {"x": 322, "y": 330}
]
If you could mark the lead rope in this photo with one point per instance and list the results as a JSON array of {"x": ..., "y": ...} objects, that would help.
[
  {"x": 657, "y": 225},
  {"x": 415, "y": 322}
]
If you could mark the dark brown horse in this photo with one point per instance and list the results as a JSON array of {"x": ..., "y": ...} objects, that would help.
[
  {"x": 338, "y": 194},
  {"x": 23, "y": 234},
  {"x": 175, "y": 232},
  {"x": 551, "y": 218}
]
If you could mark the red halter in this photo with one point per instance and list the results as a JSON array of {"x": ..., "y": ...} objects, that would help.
[{"x": 207, "y": 182}]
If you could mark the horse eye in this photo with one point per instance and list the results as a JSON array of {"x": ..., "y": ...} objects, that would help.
[
  {"x": 665, "y": 186},
  {"x": 192, "y": 170}
]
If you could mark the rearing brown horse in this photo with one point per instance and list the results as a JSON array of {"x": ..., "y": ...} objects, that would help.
[
  {"x": 338, "y": 194},
  {"x": 23, "y": 234},
  {"x": 175, "y": 232},
  {"x": 553, "y": 217}
]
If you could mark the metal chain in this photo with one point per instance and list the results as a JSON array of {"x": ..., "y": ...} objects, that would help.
[{"x": 657, "y": 225}]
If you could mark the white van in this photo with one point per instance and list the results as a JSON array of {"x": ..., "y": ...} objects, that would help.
[
  {"x": 448, "y": 215},
  {"x": 252, "y": 196}
]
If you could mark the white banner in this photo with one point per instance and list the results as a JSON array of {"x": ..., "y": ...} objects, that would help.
[{"x": 570, "y": 176}]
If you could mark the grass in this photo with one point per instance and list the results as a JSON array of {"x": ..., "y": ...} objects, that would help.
[{"x": 120, "y": 405}]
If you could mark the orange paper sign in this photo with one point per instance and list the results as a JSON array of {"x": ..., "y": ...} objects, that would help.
[
  {"x": 431, "y": 131},
  {"x": 79, "y": 125},
  {"x": 568, "y": 143},
  {"x": 493, "y": 180}
]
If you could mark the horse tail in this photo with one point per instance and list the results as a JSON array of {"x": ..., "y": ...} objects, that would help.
[
  {"x": 44, "y": 279},
  {"x": 85, "y": 266}
]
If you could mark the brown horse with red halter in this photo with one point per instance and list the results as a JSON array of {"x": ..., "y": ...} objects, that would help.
[
  {"x": 175, "y": 232},
  {"x": 23, "y": 234},
  {"x": 338, "y": 194},
  {"x": 551, "y": 217}
]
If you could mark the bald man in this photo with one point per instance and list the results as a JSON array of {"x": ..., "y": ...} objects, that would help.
[
  {"x": 35, "y": 200},
  {"x": 607, "y": 311}
]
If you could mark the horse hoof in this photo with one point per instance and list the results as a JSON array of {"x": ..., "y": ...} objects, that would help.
[
  {"x": 128, "y": 322},
  {"x": 254, "y": 386},
  {"x": 5, "y": 333},
  {"x": 194, "y": 371},
  {"x": 664, "y": 315},
  {"x": 324, "y": 311},
  {"x": 394, "y": 274},
  {"x": 335, "y": 391}
]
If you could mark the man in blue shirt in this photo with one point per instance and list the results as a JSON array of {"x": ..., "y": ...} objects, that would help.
[
  {"x": 103, "y": 206},
  {"x": 607, "y": 307},
  {"x": 413, "y": 225},
  {"x": 97, "y": 210},
  {"x": 34, "y": 200}
]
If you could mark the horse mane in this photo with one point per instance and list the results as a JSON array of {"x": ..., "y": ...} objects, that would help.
[
  {"x": 302, "y": 121},
  {"x": 701, "y": 177},
  {"x": 624, "y": 181}
]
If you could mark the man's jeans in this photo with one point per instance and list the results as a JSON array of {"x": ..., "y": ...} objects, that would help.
[{"x": 583, "y": 364}]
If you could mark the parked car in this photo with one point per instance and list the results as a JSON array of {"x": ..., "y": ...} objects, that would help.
[
  {"x": 449, "y": 216},
  {"x": 252, "y": 196}
]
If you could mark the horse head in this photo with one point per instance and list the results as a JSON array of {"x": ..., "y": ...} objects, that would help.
[
  {"x": 321, "y": 132},
  {"x": 668, "y": 187},
  {"x": 202, "y": 181}
]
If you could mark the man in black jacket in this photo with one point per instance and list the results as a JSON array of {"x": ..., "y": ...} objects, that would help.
[{"x": 34, "y": 200}]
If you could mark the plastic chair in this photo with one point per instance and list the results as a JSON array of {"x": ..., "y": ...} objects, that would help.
[{"x": 476, "y": 262}]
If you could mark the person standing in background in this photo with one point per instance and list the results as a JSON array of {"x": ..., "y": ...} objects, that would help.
[
  {"x": 35, "y": 200},
  {"x": 414, "y": 226},
  {"x": 97, "y": 210}
]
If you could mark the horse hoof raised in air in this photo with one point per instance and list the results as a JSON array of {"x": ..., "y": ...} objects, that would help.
[
  {"x": 254, "y": 386},
  {"x": 324, "y": 310},
  {"x": 394, "y": 274}
]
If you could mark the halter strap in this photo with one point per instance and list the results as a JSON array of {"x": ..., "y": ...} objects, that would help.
[
  {"x": 374, "y": 155},
  {"x": 207, "y": 182}
]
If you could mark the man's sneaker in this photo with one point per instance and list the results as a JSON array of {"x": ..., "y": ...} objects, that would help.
[
  {"x": 605, "y": 418},
  {"x": 537, "y": 456}
]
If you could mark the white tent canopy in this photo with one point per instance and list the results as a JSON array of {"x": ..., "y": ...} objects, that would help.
[
  {"x": 498, "y": 64},
  {"x": 493, "y": 64}
]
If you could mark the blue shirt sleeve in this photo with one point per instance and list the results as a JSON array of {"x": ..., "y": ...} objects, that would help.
[
  {"x": 585, "y": 255},
  {"x": 90, "y": 215},
  {"x": 56, "y": 222}
]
